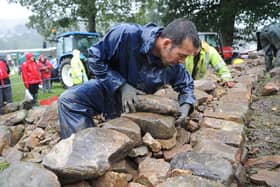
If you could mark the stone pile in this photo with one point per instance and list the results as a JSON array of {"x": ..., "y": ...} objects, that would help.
[{"x": 138, "y": 149}]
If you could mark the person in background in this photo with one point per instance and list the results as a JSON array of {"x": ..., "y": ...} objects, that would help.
[
  {"x": 31, "y": 76},
  {"x": 45, "y": 68},
  {"x": 131, "y": 59},
  {"x": 268, "y": 39},
  {"x": 78, "y": 71},
  {"x": 5, "y": 84},
  {"x": 197, "y": 65}
]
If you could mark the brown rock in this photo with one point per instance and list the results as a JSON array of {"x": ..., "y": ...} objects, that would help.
[
  {"x": 157, "y": 104},
  {"x": 180, "y": 172},
  {"x": 266, "y": 177},
  {"x": 111, "y": 179},
  {"x": 183, "y": 136},
  {"x": 17, "y": 133},
  {"x": 192, "y": 126},
  {"x": 12, "y": 155},
  {"x": 125, "y": 126},
  {"x": 138, "y": 151},
  {"x": 200, "y": 96},
  {"x": 222, "y": 125},
  {"x": 134, "y": 184},
  {"x": 271, "y": 162},
  {"x": 167, "y": 92},
  {"x": 79, "y": 184},
  {"x": 227, "y": 137},
  {"x": 204, "y": 85},
  {"x": 153, "y": 144},
  {"x": 270, "y": 89},
  {"x": 168, "y": 143},
  {"x": 155, "y": 170},
  {"x": 5, "y": 137}
]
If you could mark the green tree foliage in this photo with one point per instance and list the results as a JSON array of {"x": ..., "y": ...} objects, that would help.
[
  {"x": 70, "y": 14},
  {"x": 224, "y": 16}
]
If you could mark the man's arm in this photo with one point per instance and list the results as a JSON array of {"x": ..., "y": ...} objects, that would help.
[{"x": 101, "y": 53}]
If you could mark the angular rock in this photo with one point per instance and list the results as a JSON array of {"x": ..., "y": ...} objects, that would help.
[
  {"x": 192, "y": 126},
  {"x": 125, "y": 166},
  {"x": 155, "y": 170},
  {"x": 168, "y": 143},
  {"x": 5, "y": 138},
  {"x": 205, "y": 85},
  {"x": 11, "y": 107},
  {"x": 153, "y": 144},
  {"x": 157, "y": 104},
  {"x": 275, "y": 72},
  {"x": 49, "y": 117},
  {"x": 35, "y": 114},
  {"x": 17, "y": 133},
  {"x": 134, "y": 184},
  {"x": 12, "y": 118},
  {"x": 234, "y": 139},
  {"x": 28, "y": 174},
  {"x": 189, "y": 181},
  {"x": 180, "y": 172},
  {"x": 200, "y": 96},
  {"x": 271, "y": 162},
  {"x": 218, "y": 149},
  {"x": 159, "y": 126},
  {"x": 270, "y": 88},
  {"x": 79, "y": 184},
  {"x": 12, "y": 155},
  {"x": 138, "y": 151},
  {"x": 111, "y": 179},
  {"x": 168, "y": 155},
  {"x": 222, "y": 125},
  {"x": 228, "y": 111},
  {"x": 266, "y": 177},
  {"x": 87, "y": 154},
  {"x": 125, "y": 126},
  {"x": 183, "y": 136},
  {"x": 167, "y": 92},
  {"x": 204, "y": 165}
]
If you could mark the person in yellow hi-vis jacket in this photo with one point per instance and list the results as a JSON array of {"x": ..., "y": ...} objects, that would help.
[
  {"x": 208, "y": 55},
  {"x": 77, "y": 69}
]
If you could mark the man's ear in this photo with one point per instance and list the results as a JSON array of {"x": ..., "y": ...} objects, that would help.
[{"x": 166, "y": 42}]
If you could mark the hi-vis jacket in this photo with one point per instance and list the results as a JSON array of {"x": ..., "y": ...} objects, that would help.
[
  {"x": 77, "y": 69},
  {"x": 207, "y": 55}
]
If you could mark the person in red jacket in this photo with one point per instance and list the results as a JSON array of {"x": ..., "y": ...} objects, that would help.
[
  {"x": 31, "y": 76},
  {"x": 45, "y": 69},
  {"x": 5, "y": 84}
]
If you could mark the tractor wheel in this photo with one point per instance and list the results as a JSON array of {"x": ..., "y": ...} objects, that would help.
[{"x": 65, "y": 73}]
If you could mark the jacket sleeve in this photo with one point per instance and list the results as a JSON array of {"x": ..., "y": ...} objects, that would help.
[
  {"x": 99, "y": 57},
  {"x": 184, "y": 85},
  {"x": 219, "y": 65},
  {"x": 24, "y": 76}
]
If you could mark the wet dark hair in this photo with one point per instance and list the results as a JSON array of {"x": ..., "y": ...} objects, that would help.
[{"x": 180, "y": 29}]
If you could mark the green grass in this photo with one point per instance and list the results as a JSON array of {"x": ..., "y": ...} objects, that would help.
[{"x": 18, "y": 89}]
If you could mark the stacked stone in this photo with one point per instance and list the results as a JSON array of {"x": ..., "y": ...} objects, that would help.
[{"x": 137, "y": 149}]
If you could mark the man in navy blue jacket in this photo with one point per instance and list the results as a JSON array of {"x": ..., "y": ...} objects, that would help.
[{"x": 128, "y": 60}]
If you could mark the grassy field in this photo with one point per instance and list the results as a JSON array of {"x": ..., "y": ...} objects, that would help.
[{"x": 18, "y": 89}]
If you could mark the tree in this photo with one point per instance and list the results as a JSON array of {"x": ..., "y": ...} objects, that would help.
[
  {"x": 70, "y": 14},
  {"x": 224, "y": 16}
]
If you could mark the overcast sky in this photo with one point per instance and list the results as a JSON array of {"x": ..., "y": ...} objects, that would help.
[{"x": 12, "y": 11}]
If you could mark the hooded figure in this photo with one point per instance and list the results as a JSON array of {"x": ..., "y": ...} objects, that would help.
[
  {"x": 31, "y": 76},
  {"x": 78, "y": 71},
  {"x": 5, "y": 84},
  {"x": 268, "y": 39},
  {"x": 131, "y": 59},
  {"x": 45, "y": 69}
]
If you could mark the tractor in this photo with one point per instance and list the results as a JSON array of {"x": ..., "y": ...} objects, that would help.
[{"x": 66, "y": 43}]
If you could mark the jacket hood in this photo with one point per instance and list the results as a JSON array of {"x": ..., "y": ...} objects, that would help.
[
  {"x": 41, "y": 58},
  {"x": 76, "y": 54},
  {"x": 150, "y": 32},
  {"x": 28, "y": 56}
]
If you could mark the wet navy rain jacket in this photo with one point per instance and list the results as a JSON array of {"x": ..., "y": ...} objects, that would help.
[{"x": 124, "y": 55}]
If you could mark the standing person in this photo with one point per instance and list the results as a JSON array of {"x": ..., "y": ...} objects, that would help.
[
  {"x": 45, "y": 68},
  {"x": 5, "y": 84},
  {"x": 197, "y": 65},
  {"x": 78, "y": 71},
  {"x": 31, "y": 76},
  {"x": 131, "y": 58},
  {"x": 268, "y": 39}
]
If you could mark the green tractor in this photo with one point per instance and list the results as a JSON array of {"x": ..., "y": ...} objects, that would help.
[{"x": 66, "y": 43}]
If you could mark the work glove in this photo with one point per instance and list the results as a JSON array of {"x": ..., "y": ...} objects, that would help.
[
  {"x": 129, "y": 97},
  {"x": 183, "y": 114}
]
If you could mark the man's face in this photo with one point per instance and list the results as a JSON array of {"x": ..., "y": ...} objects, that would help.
[{"x": 171, "y": 55}]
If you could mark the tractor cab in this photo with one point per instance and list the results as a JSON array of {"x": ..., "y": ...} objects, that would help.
[{"x": 66, "y": 43}]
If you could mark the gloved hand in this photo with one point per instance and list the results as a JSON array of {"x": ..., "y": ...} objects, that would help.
[
  {"x": 129, "y": 97},
  {"x": 183, "y": 114}
]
